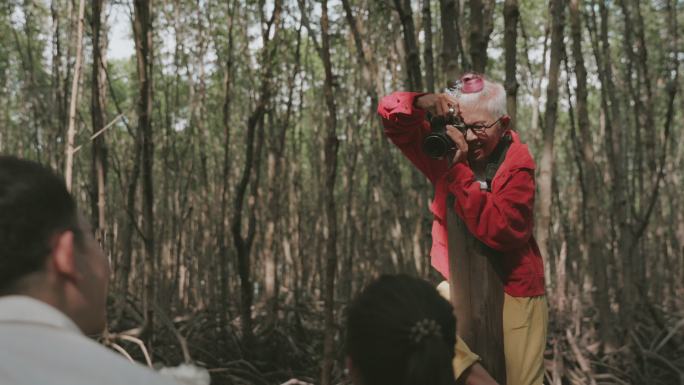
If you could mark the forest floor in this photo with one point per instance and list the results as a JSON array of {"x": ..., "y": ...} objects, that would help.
[{"x": 289, "y": 347}]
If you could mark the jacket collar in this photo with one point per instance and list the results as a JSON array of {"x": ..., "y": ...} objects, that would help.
[
  {"x": 518, "y": 155},
  {"x": 21, "y": 309}
]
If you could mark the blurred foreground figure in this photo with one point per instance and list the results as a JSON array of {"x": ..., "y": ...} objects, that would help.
[
  {"x": 400, "y": 331},
  {"x": 53, "y": 287}
]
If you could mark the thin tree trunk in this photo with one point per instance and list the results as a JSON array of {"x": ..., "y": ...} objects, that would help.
[
  {"x": 365, "y": 56},
  {"x": 511, "y": 16},
  {"x": 276, "y": 177},
  {"x": 643, "y": 216},
  {"x": 4, "y": 91},
  {"x": 331, "y": 147},
  {"x": 98, "y": 108},
  {"x": 142, "y": 30},
  {"x": 594, "y": 235},
  {"x": 129, "y": 227},
  {"x": 568, "y": 239},
  {"x": 481, "y": 26},
  {"x": 536, "y": 88},
  {"x": 415, "y": 83},
  {"x": 647, "y": 119},
  {"x": 556, "y": 10},
  {"x": 415, "y": 79},
  {"x": 35, "y": 120},
  {"x": 57, "y": 86},
  {"x": 205, "y": 240},
  {"x": 243, "y": 244},
  {"x": 226, "y": 168},
  {"x": 427, "y": 48},
  {"x": 71, "y": 132},
  {"x": 615, "y": 140},
  {"x": 607, "y": 333},
  {"x": 451, "y": 38}
]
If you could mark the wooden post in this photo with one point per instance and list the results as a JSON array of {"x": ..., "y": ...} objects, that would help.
[{"x": 476, "y": 294}]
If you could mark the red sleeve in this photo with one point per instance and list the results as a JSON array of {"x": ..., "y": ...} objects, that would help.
[
  {"x": 405, "y": 126},
  {"x": 501, "y": 219}
]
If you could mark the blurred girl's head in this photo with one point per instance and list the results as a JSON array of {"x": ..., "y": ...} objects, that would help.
[{"x": 400, "y": 331}]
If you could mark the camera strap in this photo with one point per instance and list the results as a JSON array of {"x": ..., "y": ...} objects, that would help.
[{"x": 497, "y": 157}]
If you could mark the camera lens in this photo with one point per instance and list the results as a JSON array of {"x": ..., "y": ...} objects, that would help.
[{"x": 435, "y": 146}]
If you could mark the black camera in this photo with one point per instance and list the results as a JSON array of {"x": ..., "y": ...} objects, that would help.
[{"x": 438, "y": 144}]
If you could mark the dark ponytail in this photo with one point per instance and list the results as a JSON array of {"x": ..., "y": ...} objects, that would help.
[
  {"x": 430, "y": 363},
  {"x": 401, "y": 331}
]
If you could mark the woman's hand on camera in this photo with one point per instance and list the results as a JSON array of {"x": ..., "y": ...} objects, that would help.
[
  {"x": 437, "y": 104},
  {"x": 461, "y": 145}
]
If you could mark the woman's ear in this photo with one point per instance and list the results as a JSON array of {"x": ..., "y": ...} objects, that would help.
[{"x": 505, "y": 122}]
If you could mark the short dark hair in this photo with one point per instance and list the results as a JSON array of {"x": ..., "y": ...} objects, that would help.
[
  {"x": 381, "y": 333},
  {"x": 34, "y": 206}
]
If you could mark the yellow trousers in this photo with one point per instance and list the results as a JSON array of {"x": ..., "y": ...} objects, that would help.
[{"x": 525, "y": 321}]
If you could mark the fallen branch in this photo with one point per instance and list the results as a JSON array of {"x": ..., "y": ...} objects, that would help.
[
  {"x": 95, "y": 135},
  {"x": 140, "y": 344},
  {"x": 295, "y": 381},
  {"x": 669, "y": 335},
  {"x": 121, "y": 350},
  {"x": 581, "y": 360}
]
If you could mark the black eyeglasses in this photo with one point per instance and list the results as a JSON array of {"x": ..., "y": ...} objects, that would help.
[{"x": 478, "y": 129}]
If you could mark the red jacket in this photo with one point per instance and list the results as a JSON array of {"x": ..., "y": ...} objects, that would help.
[{"x": 502, "y": 219}]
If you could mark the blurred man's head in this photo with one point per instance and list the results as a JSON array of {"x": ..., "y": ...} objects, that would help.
[
  {"x": 47, "y": 250},
  {"x": 483, "y": 105}
]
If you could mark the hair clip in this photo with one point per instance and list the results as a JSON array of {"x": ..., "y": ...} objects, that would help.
[{"x": 423, "y": 329}]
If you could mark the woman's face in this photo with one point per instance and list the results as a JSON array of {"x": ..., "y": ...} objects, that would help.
[{"x": 482, "y": 140}]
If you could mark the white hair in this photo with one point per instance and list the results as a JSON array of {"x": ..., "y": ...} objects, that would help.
[{"x": 492, "y": 98}]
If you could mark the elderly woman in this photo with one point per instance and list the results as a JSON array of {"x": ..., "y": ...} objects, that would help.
[{"x": 497, "y": 207}]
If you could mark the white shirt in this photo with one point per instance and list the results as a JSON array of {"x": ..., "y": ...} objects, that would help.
[{"x": 39, "y": 345}]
